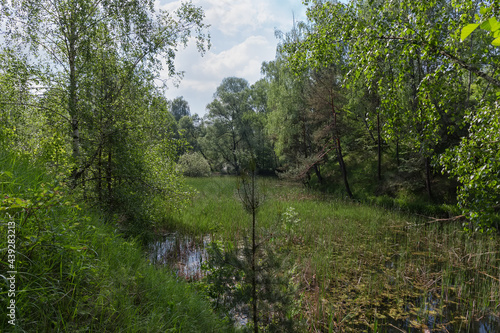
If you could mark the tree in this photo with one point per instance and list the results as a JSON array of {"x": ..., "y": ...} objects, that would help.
[
  {"x": 400, "y": 51},
  {"x": 32, "y": 125},
  {"x": 194, "y": 165},
  {"x": 320, "y": 84},
  {"x": 475, "y": 160},
  {"x": 326, "y": 101},
  {"x": 256, "y": 119},
  {"x": 226, "y": 132},
  {"x": 287, "y": 122},
  {"x": 64, "y": 34},
  {"x": 428, "y": 86},
  {"x": 255, "y": 274},
  {"x": 235, "y": 126},
  {"x": 180, "y": 108}
]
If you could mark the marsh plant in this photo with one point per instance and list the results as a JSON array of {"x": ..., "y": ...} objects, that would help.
[
  {"x": 290, "y": 220},
  {"x": 252, "y": 278}
]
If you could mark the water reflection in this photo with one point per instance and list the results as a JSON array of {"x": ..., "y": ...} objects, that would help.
[{"x": 185, "y": 254}]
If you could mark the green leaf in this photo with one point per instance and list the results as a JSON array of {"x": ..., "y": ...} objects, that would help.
[
  {"x": 496, "y": 42},
  {"x": 495, "y": 25},
  {"x": 486, "y": 25},
  {"x": 484, "y": 10},
  {"x": 467, "y": 30}
]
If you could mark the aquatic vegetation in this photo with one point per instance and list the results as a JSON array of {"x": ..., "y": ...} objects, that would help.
[{"x": 362, "y": 267}]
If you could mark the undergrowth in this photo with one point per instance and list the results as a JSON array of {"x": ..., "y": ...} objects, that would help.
[{"x": 76, "y": 273}]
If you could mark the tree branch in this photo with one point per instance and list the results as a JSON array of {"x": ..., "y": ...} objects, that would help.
[
  {"x": 449, "y": 56},
  {"x": 36, "y": 106}
]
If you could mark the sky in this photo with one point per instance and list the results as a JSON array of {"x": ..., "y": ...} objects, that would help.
[{"x": 242, "y": 37}]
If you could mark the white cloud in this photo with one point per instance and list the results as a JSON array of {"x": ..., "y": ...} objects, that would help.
[
  {"x": 231, "y": 17},
  {"x": 242, "y": 38},
  {"x": 243, "y": 59},
  {"x": 204, "y": 74}
]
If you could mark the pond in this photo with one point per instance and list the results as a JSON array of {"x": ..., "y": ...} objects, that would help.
[{"x": 186, "y": 255}]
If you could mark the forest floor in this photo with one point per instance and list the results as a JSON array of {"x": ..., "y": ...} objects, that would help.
[{"x": 360, "y": 267}]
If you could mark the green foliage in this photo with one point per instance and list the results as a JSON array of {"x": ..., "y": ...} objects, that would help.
[
  {"x": 489, "y": 24},
  {"x": 79, "y": 98},
  {"x": 75, "y": 273},
  {"x": 179, "y": 108},
  {"x": 193, "y": 165},
  {"x": 235, "y": 127},
  {"x": 128, "y": 140},
  {"x": 100, "y": 115},
  {"x": 287, "y": 116},
  {"x": 193, "y": 130},
  {"x": 29, "y": 126},
  {"x": 476, "y": 164},
  {"x": 412, "y": 90}
]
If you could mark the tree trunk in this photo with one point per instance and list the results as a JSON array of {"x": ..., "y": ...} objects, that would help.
[
  {"x": 428, "y": 176},
  {"x": 397, "y": 153},
  {"x": 343, "y": 169},
  {"x": 318, "y": 174},
  {"x": 379, "y": 169},
  {"x": 72, "y": 102},
  {"x": 208, "y": 161},
  {"x": 84, "y": 187},
  {"x": 338, "y": 147},
  {"x": 254, "y": 253},
  {"x": 108, "y": 175},
  {"x": 304, "y": 138},
  {"x": 99, "y": 176},
  {"x": 235, "y": 158}
]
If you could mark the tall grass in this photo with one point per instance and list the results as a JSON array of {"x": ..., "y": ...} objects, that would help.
[
  {"x": 76, "y": 273},
  {"x": 362, "y": 266}
]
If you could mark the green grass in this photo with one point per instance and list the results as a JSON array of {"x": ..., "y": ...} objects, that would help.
[
  {"x": 75, "y": 273},
  {"x": 362, "y": 265}
]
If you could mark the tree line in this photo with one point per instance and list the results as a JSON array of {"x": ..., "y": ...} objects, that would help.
[
  {"x": 398, "y": 97},
  {"x": 374, "y": 97}
]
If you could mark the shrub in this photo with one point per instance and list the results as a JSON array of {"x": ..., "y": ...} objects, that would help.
[{"x": 193, "y": 165}]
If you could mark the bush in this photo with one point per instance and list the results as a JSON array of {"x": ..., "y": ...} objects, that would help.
[{"x": 193, "y": 165}]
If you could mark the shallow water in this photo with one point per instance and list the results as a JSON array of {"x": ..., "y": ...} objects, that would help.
[
  {"x": 185, "y": 254},
  {"x": 439, "y": 313},
  {"x": 487, "y": 324}
]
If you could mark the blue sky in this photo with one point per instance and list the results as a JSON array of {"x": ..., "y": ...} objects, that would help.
[{"x": 242, "y": 34}]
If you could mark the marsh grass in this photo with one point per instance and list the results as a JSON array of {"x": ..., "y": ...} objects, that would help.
[{"x": 360, "y": 266}]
